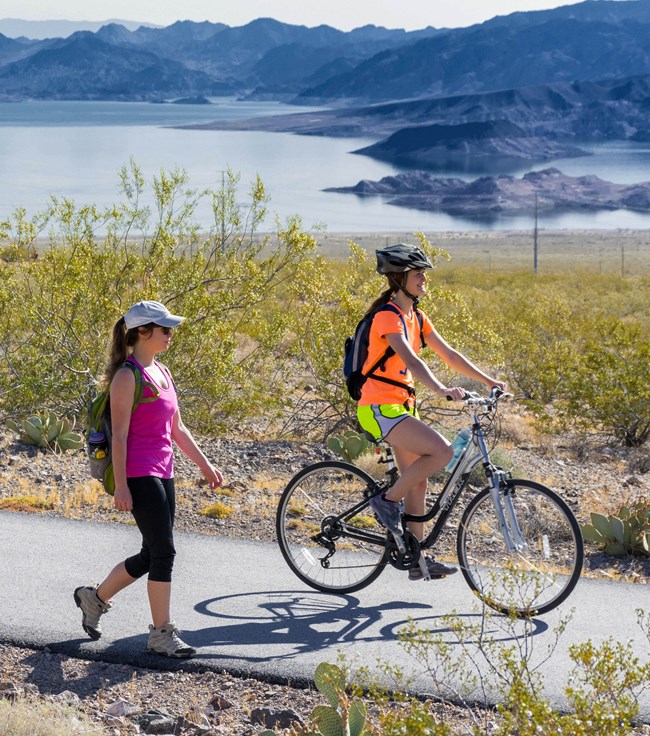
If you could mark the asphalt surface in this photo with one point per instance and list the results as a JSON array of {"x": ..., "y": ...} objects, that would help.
[{"x": 240, "y": 605}]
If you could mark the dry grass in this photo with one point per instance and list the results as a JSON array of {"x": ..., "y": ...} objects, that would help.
[
  {"x": 90, "y": 493},
  {"x": 34, "y": 717},
  {"x": 218, "y": 510},
  {"x": 271, "y": 484},
  {"x": 559, "y": 251},
  {"x": 26, "y": 503}
]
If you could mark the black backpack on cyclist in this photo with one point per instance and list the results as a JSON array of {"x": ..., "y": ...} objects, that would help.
[{"x": 356, "y": 352}]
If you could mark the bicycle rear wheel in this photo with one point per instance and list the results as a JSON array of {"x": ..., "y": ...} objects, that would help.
[
  {"x": 542, "y": 572},
  {"x": 327, "y": 546}
]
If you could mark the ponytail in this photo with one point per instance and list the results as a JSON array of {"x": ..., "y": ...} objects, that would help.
[
  {"x": 395, "y": 281},
  {"x": 120, "y": 349}
]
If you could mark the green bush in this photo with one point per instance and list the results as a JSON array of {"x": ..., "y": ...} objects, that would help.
[
  {"x": 469, "y": 665},
  {"x": 538, "y": 334},
  {"x": 267, "y": 318},
  {"x": 609, "y": 389},
  {"x": 58, "y": 309}
]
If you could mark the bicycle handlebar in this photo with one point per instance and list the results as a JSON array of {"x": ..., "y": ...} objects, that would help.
[{"x": 473, "y": 397}]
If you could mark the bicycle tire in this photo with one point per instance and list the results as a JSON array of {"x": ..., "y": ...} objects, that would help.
[
  {"x": 313, "y": 496},
  {"x": 529, "y": 581}
]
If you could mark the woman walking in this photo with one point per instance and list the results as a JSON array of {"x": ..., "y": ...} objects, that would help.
[
  {"x": 143, "y": 463},
  {"x": 387, "y": 408}
]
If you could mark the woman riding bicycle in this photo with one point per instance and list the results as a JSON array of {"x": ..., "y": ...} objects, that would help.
[{"x": 387, "y": 408}]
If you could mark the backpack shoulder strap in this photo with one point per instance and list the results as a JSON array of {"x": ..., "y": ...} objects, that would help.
[
  {"x": 140, "y": 385},
  {"x": 421, "y": 323},
  {"x": 389, "y": 352}
]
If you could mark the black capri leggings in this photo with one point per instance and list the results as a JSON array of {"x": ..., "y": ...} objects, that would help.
[{"x": 154, "y": 505}]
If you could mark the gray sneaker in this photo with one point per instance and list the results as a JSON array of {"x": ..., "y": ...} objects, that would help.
[
  {"x": 436, "y": 570},
  {"x": 92, "y": 608},
  {"x": 389, "y": 513},
  {"x": 166, "y": 641}
]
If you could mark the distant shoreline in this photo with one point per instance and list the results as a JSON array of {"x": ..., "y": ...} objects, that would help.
[{"x": 620, "y": 251}]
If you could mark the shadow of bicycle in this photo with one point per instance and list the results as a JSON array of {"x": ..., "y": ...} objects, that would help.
[{"x": 266, "y": 625}]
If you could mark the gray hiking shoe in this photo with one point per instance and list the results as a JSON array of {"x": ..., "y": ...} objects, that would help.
[
  {"x": 389, "y": 513},
  {"x": 166, "y": 641},
  {"x": 92, "y": 608},
  {"x": 436, "y": 570}
]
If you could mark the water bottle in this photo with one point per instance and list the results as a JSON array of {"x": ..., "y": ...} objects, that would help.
[
  {"x": 461, "y": 440},
  {"x": 98, "y": 454},
  {"x": 97, "y": 445}
]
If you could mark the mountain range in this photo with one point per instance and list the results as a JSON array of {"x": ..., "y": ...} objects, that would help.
[
  {"x": 591, "y": 41},
  {"x": 39, "y": 29}
]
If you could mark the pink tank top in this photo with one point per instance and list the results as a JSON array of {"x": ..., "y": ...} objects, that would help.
[{"x": 149, "y": 448}]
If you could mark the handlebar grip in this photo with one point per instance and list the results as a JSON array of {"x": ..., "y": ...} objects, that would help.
[{"x": 463, "y": 398}]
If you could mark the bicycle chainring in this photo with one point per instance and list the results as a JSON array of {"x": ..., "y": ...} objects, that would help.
[{"x": 403, "y": 560}]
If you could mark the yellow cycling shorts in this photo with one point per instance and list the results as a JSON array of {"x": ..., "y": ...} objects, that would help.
[{"x": 378, "y": 419}]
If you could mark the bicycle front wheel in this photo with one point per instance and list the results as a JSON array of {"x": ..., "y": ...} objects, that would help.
[
  {"x": 546, "y": 564},
  {"x": 326, "y": 543}
]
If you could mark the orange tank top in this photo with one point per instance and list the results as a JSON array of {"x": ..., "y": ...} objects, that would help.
[{"x": 386, "y": 323}]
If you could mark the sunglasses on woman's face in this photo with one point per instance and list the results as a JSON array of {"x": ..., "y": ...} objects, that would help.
[{"x": 165, "y": 330}]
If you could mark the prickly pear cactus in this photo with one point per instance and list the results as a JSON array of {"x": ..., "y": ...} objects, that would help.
[
  {"x": 623, "y": 533},
  {"x": 341, "y": 717},
  {"x": 330, "y": 682},
  {"x": 350, "y": 445}
]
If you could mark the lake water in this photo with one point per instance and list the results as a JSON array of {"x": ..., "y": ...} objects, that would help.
[{"x": 75, "y": 149}]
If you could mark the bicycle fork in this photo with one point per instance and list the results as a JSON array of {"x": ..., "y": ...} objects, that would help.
[{"x": 504, "y": 510}]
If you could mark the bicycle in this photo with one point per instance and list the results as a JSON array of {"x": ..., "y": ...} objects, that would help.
[{"x": 518, "y": 543}]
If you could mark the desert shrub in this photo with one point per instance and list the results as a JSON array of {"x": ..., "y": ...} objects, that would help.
[
  {"x": 539, "y": 344},
  {"x": 58, "y": 309},
  {"x": 470, "y": 665},
  {"x": 609, "y": 388}
]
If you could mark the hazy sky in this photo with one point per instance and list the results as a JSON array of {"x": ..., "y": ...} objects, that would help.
[{"x": 342, "y": 14}]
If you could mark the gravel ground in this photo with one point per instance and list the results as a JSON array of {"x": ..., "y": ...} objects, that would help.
[{"x": 125, "y": 700}]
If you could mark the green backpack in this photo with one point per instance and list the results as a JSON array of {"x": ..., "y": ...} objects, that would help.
[{"x": 98, "y": 433}]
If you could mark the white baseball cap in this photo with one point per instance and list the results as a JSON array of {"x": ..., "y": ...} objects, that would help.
[{"x": 145, "y": 312}]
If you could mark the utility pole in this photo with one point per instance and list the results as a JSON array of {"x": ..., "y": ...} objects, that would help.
[
  {"x": 622, "y": 261},
  {"x": 535, "y": 238},
  {"x": 223, "y": 211}
]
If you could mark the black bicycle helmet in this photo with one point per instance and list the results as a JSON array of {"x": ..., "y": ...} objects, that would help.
[{"x": 401, "y": 257}]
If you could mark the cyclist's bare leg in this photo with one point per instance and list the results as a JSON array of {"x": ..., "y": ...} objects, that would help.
[
  {"x": 415, "y": 498},
  {"x": 432, "y": 452}
]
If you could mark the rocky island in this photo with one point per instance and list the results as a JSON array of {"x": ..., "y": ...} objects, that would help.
[
  {"x": 492, "y": 139},
  {"x": 546, "y": 190}
]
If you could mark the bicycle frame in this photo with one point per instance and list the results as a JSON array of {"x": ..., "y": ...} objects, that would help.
[
  {"x": 456, "y": 483},
  {"x": 474, "y": 454}
]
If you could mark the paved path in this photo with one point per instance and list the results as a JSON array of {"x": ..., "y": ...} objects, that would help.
[{"x": 247, "y": 613}]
